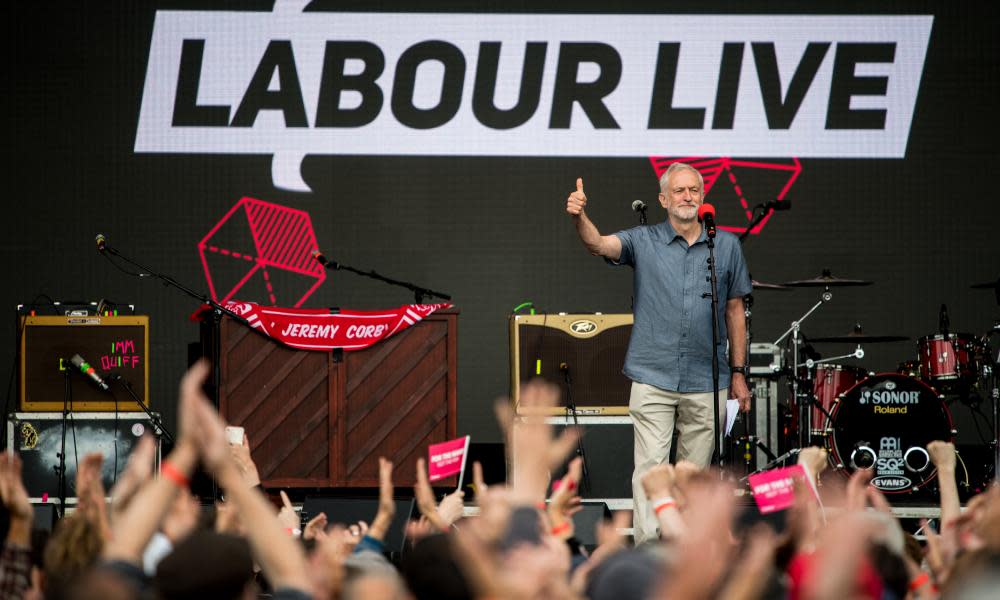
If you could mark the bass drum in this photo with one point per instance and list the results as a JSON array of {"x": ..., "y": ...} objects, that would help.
[{"x": 885, "y": 423}]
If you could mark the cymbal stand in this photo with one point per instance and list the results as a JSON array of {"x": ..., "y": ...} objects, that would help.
[
  {"x": 805, "y": 415},
  {"x": 992, "y": 376},
  {"x": 810, "y": 363}
]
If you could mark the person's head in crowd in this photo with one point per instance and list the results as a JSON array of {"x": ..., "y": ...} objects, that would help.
[
  {"x": 72, "y": 550},
  {"x": 369, "y": 576},
  {"x": 627, "y": 575},
  {"x": 973, "y": 575},
  {"x": 431, "y": 571},
  {"x": 208, "y": 564}
]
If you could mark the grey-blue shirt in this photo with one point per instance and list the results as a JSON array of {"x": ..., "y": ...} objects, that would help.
[{"x": 671, "y": 343}]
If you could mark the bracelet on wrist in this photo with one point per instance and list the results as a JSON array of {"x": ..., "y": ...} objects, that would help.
[
  {"x": 169, "y": 471},
  {"x": 663, "y": 504},
  {"x": 919, "y": 581},
  {"x": 561, "y": 528}
]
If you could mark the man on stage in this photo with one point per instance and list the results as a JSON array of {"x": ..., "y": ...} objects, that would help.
[{"x": 669, "y": 358}]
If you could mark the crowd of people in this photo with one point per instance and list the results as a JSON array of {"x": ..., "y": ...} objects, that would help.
[{"x": 153, "y": 540}]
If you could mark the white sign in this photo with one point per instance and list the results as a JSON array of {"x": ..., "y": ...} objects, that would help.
[{"x": 291, "y": 84}]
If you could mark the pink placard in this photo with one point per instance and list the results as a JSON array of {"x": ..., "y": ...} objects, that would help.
[
  {"x": 447, "y": 458},
  {"x": 774, "y": 490}
]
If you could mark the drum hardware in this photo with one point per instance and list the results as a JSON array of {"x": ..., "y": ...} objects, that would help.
[
  {"x": 805, "y": 423},
  {"x": 858, "y": 353},
  {"x": 777, "y": 461}
]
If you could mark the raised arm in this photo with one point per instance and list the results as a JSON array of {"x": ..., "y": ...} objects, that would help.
[
  {"x": 737, "y": 326},
  {"x": 608, "y": 246}
]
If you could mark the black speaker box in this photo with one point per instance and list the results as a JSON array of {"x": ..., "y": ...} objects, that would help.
[
  {"x": 351, "y": 510},
  {"x": 585, "y": 522},
  {"x": 609, "y": 460}
]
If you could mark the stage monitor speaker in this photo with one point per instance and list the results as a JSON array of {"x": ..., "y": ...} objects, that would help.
[
  {"x": 37, "y": 437},
  {"x": 582, "y": 353},
  {"x": 493, "y": 459},
  {"x": 111, "y": 345},
  {"x": 348, "y": 511},
  {"x": 608, "y": 449},
  {"x": 585, "y": 522}
]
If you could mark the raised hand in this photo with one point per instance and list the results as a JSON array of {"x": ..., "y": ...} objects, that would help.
[
  {"x": 137, "y": 472},
  {"x": 12, "y": 492},
  {"x": 315, "y": 527},
  {"x": 15, "y": 500},
  {"x": 241, "y": 456},
  {"x": 287, "y": 516},
  {"x": 452, "y": 507},
  {"x": 658, "y": 482},
  {"x": 577, "y": 200},
  {"x": 942, "y": 454},
  {"x": 425, "y": 498}
]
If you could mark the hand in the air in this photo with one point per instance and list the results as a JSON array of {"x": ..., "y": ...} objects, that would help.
[{"x": 577, "y": 200}]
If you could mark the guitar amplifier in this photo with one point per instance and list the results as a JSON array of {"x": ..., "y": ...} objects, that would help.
[
  {"x": 111, "y": 344},
  {"x": 581, "y": 353}
]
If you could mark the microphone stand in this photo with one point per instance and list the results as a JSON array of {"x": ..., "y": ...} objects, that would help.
[
  {"x": 642, "y": 216},
  {"x": 766, "y": 209},
  {"x": 418, "y": 292},
  {"x": 571, "y": 410},
  {"x": 217, "y": 311},
  {"x": 714, "y": 294},
  {"x": 61, "y": 467},
  {"x": 158, "y": 427}
]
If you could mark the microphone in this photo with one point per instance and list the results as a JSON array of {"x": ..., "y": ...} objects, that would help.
[
  {"x": 101, "y": 242},
  {"x": 943, "y": 322},
  {"x": 777, "y": 205},
  {"x": 706, "y": 215},
  {"x": 316, "y": 254},
  {"x": 640, "y": 207},
  {"x": 78, "y": 362}
]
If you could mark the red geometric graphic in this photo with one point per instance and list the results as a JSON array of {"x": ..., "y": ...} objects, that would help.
[
  {"x": 261, "y": 237},
  {"x": 783, "y": 175}
]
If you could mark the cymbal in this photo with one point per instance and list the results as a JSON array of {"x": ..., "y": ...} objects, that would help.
[
  {"x": 827, "y": 279},
  {"x": 760, "y": 285},
  {"x": 859, "y": 338},
  {"x": 988, "y": 285}
]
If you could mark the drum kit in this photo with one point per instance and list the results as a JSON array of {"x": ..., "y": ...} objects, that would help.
[{"x": 880, "y": 421}]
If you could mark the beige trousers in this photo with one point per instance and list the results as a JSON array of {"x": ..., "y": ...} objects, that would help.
[{"x": 655, "y": 413}]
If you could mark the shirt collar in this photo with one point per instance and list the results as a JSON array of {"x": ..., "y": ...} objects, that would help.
[{"x": 670, "y": 234}]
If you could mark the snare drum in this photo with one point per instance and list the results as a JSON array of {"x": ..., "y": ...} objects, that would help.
[
  {"x": 830, "y": 381},
  {"x": 949, "y": 358},
  {"x": 885, "y": 423}
]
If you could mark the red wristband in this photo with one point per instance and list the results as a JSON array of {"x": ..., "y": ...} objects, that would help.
[
  {"x": 663, "y": 505},
  {"x": 920, "y": 581},
  {"x": 172, "y": 473},
  {"x": 560, "y": 528}
]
